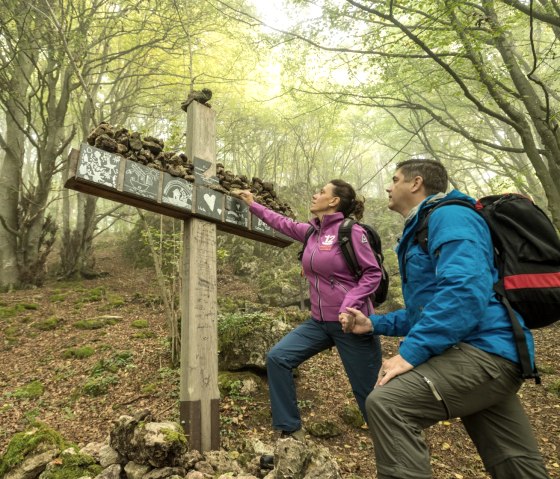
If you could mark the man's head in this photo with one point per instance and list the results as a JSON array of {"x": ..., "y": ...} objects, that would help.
[{"x": 413, "y": 181}]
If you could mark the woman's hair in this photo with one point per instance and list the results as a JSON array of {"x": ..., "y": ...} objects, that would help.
[{"x": 349, "y": 204}]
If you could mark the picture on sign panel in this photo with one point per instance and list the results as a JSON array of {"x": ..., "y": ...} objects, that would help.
[
  {"x": 209, "y": 203},
  {"x": 98, "y": 166},
  {"x": 259, "y": 225},
  {"x": 202, "y": 174},
  {"x": 141, "y": 180},
  {"x": 177, "y": 192},
  {"x": 236, "y": 212}
]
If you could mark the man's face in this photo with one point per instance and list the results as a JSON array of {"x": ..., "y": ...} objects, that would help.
[{"x": 400, "y": 194}]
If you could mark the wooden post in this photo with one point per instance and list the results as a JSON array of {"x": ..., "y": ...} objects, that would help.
[{"x": 199, "y": 396}]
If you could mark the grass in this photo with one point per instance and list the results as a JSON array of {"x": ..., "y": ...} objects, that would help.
[
  {"x": 47, "y": 324},
  {"x": 78, "y": 353},
  {"x": 32, "y": 390}
]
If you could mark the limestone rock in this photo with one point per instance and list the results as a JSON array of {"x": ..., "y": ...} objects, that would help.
[
  {"x": 158, "y": 444},
  {"x": 111, "y": 472},
  {"x": 352, "y": 416},
  {"x": 248, "y": 350},
  {"x": 108, "y": 456},
  {"x": 323, "y": 429},
  {"x": 33, "y": 465},
  {"x": 136, "y": 471},
  {"x": 164, "y": 473}
]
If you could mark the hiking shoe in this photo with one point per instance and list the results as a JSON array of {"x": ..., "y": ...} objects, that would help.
[
  {"x": 267, "y": 461},
  {"x": 298, "y": 435}
]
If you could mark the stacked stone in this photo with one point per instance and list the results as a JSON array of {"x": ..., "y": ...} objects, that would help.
[
  {"x": 149, "y": 151},
  {"x": 146, "y": 150}
]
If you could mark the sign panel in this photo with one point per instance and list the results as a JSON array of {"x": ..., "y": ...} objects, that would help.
[
  {"x": 98, "y": 166},
  {"x": 259, "y": 225},
  {"x": 177, "y": 192},
  {"x": 201, "y": 173},
  {"x": 209, "y": 203},
  {"x": 141, "y": 180},
  {"x": 236, "y": 212}
]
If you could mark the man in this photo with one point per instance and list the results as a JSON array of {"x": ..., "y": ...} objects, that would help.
[{"x": 458, "y": 357}]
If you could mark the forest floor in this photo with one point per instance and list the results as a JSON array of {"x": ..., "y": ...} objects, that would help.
[{"x": 45, "y": 374}]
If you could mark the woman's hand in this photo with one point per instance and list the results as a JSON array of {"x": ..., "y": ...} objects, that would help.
[
  {"x": 354, "y": 321},
  {"x": 246, "y": 196}
]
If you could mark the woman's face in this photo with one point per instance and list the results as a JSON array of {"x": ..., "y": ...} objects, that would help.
[{"x": 324, "y": 201}]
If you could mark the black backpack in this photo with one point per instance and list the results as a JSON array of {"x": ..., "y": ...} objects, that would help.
[
  {"x": 345, "y": 242},
  {"x": 527, "y": 255}
]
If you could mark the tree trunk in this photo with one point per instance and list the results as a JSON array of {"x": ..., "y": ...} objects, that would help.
[{"x": 10, "y": 176}]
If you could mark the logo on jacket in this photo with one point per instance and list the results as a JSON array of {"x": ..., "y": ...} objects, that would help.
[
  {"x": 364, "y": 239},
  {"x": 328, "y": 240}
]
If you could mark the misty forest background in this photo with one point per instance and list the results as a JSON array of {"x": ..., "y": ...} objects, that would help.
[{"x": 304, "y": 91}]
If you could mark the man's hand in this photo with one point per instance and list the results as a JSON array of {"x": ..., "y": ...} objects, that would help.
[
  {"x": 355, "y": 322},
  {"x": 391, "y": 368}
]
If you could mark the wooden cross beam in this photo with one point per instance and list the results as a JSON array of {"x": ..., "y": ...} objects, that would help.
[{"x": 203, "y": 210}]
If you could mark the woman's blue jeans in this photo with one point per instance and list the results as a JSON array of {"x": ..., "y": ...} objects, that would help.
[{"x": 360, "y": 355}]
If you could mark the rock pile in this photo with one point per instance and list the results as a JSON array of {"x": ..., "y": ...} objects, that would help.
[
  {"x": 150, "y": 151},
  {"x": 139, "y": 448}
]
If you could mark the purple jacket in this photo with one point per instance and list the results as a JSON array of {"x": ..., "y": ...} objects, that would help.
[{"x": 332, "y": 287}]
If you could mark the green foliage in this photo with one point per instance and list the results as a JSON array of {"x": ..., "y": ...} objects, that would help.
[
  {"x": 113, "y": 301},
  {"x": 96, "y": 323},
  {"x": 99, "y": 385},
  {"x": 57, "y": 297},
  {"x": 90, "y": 324},
  {"x": 12, "y": 331},
  {"x": 554, "y": 387},
  {"x": 47, "y": 324},
  {"x": 547, "y": 369},
  {"x": 10, "y": 311},
  {"x": 117, "y": 361},
  {"x": 92, "y": 295},
  {"x": 139, "y": 323},
  {"x": 149, "y": 388},
  {"x": 24, "y": 443},
  {"x": 175, "y": 435},
  {"x": 103, "y": 373},
  {"x": 166, "y": 232},
  {"x": 73, "y": 466},
  {"x": 32, "y": 390},
  {"x": 78, "y": 353},
  {"x": 233, "y": 326},
  {"x": 144, "y": 335},
  {"x": 231, "y": 383}
]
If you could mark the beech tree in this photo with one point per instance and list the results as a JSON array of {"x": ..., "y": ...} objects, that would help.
[{"x": 452, "y": 72}]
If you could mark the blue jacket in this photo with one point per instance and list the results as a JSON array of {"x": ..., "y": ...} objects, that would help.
[
  {"x": 332, "y": 287},
  {"x": 448, "y": 292}
]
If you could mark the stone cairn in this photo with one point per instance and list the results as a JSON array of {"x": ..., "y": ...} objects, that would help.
[
  {"x": 149, "y": 151},
  {"x": 139, "y": 448}
]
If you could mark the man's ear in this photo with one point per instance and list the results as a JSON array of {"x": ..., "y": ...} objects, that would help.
[{"x": 417, "y": 184}]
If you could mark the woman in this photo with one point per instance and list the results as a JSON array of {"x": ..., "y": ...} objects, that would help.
[{"x": 332, "y": 288}]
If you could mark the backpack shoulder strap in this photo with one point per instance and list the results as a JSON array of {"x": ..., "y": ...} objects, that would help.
[
  {"x": 308, "y": 233},
  {"x": 346, "y": 246},
  {"x": 421, "y": 233}
]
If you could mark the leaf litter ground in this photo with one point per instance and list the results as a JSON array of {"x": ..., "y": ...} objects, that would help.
[{"x": 129, "y": 370}]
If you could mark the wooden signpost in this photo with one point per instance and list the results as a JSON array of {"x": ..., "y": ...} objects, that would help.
[{"x": 203, "y": 210}]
